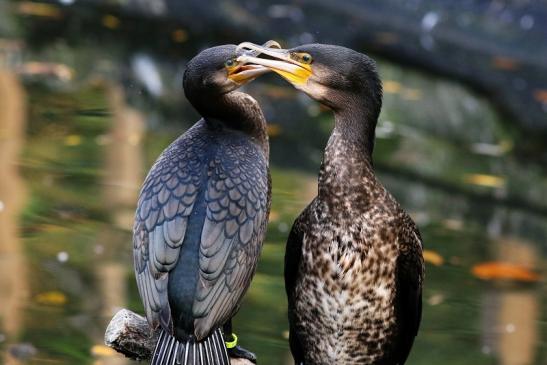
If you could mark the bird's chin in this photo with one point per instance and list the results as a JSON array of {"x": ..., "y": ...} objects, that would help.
[{"x": 314, "y": 90}]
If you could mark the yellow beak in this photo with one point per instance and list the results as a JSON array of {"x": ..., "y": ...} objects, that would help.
[
  {"x": 295, "y": 72},
  {"x": 245, "y": 73}
]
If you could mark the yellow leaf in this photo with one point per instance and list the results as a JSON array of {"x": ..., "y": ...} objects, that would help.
[
  {"x": 179, "y": 36},
  {"x": 392, "y": 87},
  {"x": 453, "y": 224},
  {"x": 274, "y": 216},
  {"x": 55, "y": 298},
  {"x": 39, "y": 9},
  {"x": 110, "y": 21},
  {"x": 274, "y": 130},
  {"x": 73, "y": 140},
  {"x": 433, "y": 257},
  {"x": 102, "y": 350},
  {"x": 504, "y": 271},
  {"x": 412, "y": 94},
  {"x": 490, "y": 181}
]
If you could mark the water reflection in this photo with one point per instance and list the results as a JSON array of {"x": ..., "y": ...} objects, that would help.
[
  {"x": 14, "y": 286},
  {"x": 123, "y": 166},
  {"x": 510, "y": 314},
  {"x": 442, "y": 150}
]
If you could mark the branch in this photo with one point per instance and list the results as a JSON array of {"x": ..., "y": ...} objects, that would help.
[{"x": 129, "y": 334}]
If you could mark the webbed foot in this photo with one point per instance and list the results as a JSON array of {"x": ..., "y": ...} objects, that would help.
[
  {"x": 236, "y": 351},
  {"x": 241, "y": 353}
]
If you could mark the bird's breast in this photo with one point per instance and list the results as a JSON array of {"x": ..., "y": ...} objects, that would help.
[{"x": 346, "y": 288}]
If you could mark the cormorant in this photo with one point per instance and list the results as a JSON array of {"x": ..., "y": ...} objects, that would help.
[
  {"x": 202, "y": 215},
  {"x": 353, "y": 266}
]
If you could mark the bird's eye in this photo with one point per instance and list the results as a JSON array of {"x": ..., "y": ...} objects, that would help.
[
  {"x": 306, "y": 58},
  {"x": 230, "y": 63}
]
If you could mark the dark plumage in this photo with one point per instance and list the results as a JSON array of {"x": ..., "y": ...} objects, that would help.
[
  {"x": 202, "y": 214},
  {"x": 353, "y": 265}
]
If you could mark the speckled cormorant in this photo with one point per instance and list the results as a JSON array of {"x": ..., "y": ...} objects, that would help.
[
  {"x": 353, "y": 266},
  {"x": 202, "y": 215}
]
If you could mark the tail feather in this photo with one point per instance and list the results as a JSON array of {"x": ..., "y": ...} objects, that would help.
[
  {"x": 221, "y": 349},
  {"x": 210, "y": 351}
]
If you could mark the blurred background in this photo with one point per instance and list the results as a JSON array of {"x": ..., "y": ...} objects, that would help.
[{"x": 90, "y": 94}]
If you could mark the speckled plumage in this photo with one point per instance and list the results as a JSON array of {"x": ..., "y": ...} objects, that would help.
[
  {"x": 353, "y": 264},
  {"x": 354, "y": 242}
]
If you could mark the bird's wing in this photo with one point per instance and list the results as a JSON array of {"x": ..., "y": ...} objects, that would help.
[
  {"x": 165, "y": 203},
  {"x": 410, "y": 275},
  {"x": 293, "y": 255},
  {"x": 237, "y": 200}
]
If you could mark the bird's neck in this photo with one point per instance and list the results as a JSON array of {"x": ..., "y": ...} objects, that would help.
[
  {"x": 237, "y": 111},
  {"x": 354, "y": 124},
  {"x": 347, "y": 163}
]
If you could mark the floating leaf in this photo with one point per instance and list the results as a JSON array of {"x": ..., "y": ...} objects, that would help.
[
  {"x": 412, "y": 94},
  {"x": 453, "y": 224},
  {"x": 541, "y": 95},
  {"x": 274, "y": 216},
  {"x": 435, "y": 299},
  {"x": 55, "y": 298},
  {"x": 505, "y": 63},
  {"x": 490, "y": 181},
  {"x": 433, "y": 257},
  {"x": 179, "y": 36},
  {"x": 110, "y": 21},
  {"x": 274, "y": 130},
  {"x": 392, "y": 87},
  {"x": 504, "y": 271},
  {"x": 73, "y": 140},
  {"x": 102, "y": 350},
  {"x": 39, "y": 9}
]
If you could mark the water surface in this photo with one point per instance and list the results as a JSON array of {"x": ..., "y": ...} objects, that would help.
[{"x": 82, "y": 122}]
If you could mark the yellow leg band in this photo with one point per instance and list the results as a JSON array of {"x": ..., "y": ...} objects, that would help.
[{"x": 233, "y": 343}]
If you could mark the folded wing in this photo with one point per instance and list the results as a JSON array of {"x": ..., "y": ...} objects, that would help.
[{"x": 237, "y": 199}]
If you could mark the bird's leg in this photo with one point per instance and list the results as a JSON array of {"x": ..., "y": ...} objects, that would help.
[{"x": 234, "y": 350}]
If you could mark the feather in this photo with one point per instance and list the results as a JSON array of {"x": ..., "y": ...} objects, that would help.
[{"x": 227, "y": 176}]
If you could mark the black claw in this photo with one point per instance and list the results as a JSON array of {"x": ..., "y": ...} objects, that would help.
[{"x": 240, "y": 353}]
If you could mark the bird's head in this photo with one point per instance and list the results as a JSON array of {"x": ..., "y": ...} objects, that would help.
[
  {"x": 332, "y": 75},
  {"x": 216, "y": 71}
]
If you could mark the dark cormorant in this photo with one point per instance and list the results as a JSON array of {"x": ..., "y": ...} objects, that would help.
[
  {"x": 353, "y": 266},
  {"x": 202, "y": 215}
]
